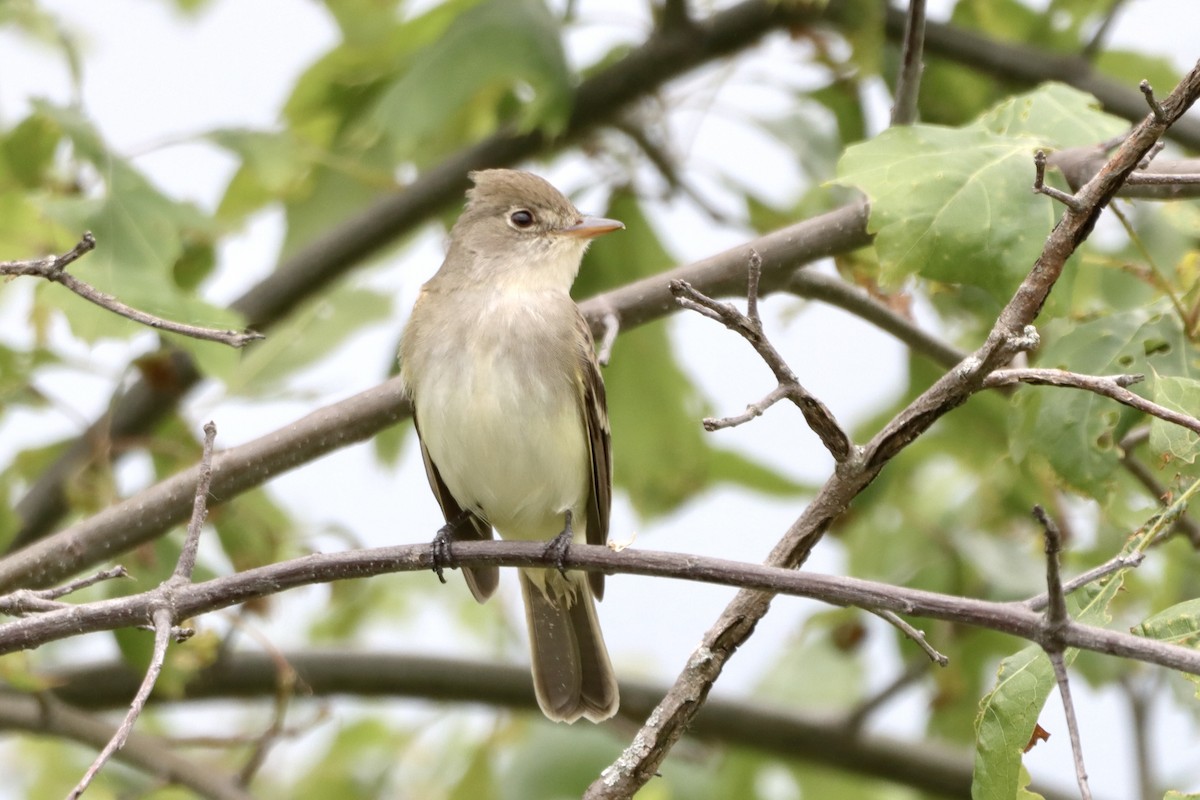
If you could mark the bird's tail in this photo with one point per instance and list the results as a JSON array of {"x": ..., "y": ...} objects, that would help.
[{"x": 572, "y": 674}]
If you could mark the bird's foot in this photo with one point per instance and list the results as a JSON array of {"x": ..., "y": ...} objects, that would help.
[
  {"x": 556, "y": 549},
  {"x": 443, "y": 558}
]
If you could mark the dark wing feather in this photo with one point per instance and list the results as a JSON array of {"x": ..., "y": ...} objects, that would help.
[
  {"x": 482, "y": 581},
  {"x": 595, "y": 415}
]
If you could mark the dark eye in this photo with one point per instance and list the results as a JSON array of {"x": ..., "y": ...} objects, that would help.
[{"x": 521, "y": 218}]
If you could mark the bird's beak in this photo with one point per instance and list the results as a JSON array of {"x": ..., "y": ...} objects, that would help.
[{"x": 591, "y": 227}]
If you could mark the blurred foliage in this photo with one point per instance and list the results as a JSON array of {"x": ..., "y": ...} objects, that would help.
[{"x": 404, "y": 86}]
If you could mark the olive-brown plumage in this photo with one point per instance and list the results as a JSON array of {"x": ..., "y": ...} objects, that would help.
[{"x": 510, "y": 411}]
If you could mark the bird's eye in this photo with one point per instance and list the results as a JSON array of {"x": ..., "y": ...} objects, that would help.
[{"x": 521, "y": 218}]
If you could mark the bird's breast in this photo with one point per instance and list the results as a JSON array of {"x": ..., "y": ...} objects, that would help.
[{"x": 499, "y": 412}]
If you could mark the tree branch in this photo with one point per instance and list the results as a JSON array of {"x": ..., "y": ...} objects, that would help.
[
  {"x": 1111, "y": 386},
  {"x": 840, "y": 294},
  {"x": 792, "y": 734},
  {"x": 193, "y": 600},
  {"x": 908, "y": 81},
  {"x": 749, "y": 326},
  {"x": 54, "y": 269},
  {"x": 163, "y": 616},
  {"x": 1057, "y": 619}
]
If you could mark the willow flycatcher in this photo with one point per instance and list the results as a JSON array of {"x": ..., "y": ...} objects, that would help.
[{"x": 510, "y": 410}]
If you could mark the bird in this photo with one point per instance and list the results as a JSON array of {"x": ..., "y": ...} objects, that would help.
[{"x": 510, "y": 410}]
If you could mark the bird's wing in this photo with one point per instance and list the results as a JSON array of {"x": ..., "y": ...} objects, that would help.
[
  {"x": 482, "y": 581},
  {"x": 595, "y": 416}
]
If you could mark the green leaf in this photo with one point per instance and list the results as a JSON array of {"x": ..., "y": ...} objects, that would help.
[
  {"x": 456, "y": 89},
  {"x": 1076, "y": 431},
  {"x": 29, "y": 149},
  {"x": 1179, "y": 624},
  {"x": 1168, "y": 441},
  {"x": 951, "y": 204},
  {"x": 275, "y": 165},
  {"x": 1130, "y": 66},
  {"x": 1056, "y": 115},
  {"x": 253, "y": 529},
  {"x": 142, "y": 236},
  {"x": 1008, "y": 713},
  {"x": 309, "y": 333}
]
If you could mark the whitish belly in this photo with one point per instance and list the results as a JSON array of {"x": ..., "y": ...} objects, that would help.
[{"x": 509, "y": 448}]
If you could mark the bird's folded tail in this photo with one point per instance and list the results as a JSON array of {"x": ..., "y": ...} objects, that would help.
[{"x": 572, "y": 674}]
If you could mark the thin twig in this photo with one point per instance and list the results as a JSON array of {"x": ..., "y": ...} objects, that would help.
[
  {"x": 27, "y": 601},
  {"x": 187, "y": 555},
  {"x": 912, "y": 633},
  {"x": 1111, "y": 386},
  {"x": 1155, "y": 107},
  {"x": 836, "y": 292},
  {"x": 1162, "y": 179},
  {"x": 1056, "y": 606},
  {"x": 749, "y": 326},
  {"x": 1057, "y": 620},
  {"x": 54, "y": 269},
  {"x": 162, "y": 634},
  {"x": 1126, "y": 561},
  {"x": 1040, "y": 187},
  {"x": 912, "y": 65},
  {"x": 753, "y": 410},
  {"x": 163, "y": 616},
  {"x": 1064, "y": 691}
]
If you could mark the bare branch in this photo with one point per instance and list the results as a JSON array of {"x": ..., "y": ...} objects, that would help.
[
  {"x": 1116, "y": 564},
  {"x": 1056, "y": 620},
  {"x": 908, "y": 81},
  {"x": 753, "y": 410},
  {"x": 187, "y": 555},
  {"x": 935, "y": 768},
  {"x": 1154, "y": 180},
  {"x": 1040, "y": 187},
  {"x": 749, "y": 326},
  {"x": 162, "y": 634},
  {"x": 1111, "y": 386},
  {"x": 1155, "y": 107},
  {"x": 912, "y": 633},
  {"x": 814, "y": 285},
  {"x": 1163, "y": 179},
  {"x": 25, "y": 601},
  {"x": 1056, "y": 607},
  {"x": 54, "y": 269},
  {"x": 192, "y": 600},
  {"x": 163, "y": 615}
]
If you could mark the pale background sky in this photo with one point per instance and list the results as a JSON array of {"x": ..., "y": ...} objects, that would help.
[{"x": 152, "y": 77}]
